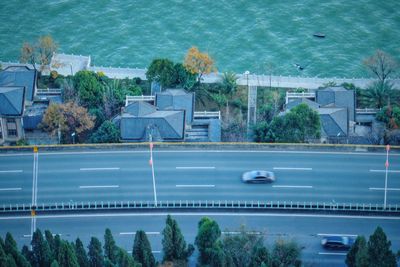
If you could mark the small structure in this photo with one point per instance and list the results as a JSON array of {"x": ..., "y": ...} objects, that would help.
[
  {"x": 20, "y": 76},
  {"x": 69, "y": 64},
  {"x": 336, "y": 109},
  {"x": 171, "y": 118}
]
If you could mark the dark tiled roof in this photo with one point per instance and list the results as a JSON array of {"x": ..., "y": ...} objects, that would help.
[
  {"x": 12, "y": 100},
  {"x": 20, "y": 76},
  {"x": 176, "y": 99},
  {"x": 337, "y": 97},
  {"x": 140, "y": 108},
  {"x": 334, "y": 121}
]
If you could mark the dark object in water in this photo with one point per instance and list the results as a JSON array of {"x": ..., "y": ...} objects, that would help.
[
  {"x": 319, "y": 35},
  {"x": 298, "y": 66}
]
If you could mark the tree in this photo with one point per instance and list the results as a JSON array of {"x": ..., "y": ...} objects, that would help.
[
  {"x": 67, "y": 118},
  {"x": 141, "y": 251},
  {"x": 161, "y": 70},
  {"x": 240, "y": 247},
  {"x": 28, "y": 254},
  {"x": 378, "y": 95},
  {"x": 285, "y": 253},
  {"x": 107, "y": 133},
  {"x": 89, "y": 88},
  {"x": 10, "y": 247},
  {"x": 50, "y": 240},
  {"x": 198, "y": 63},
  {"x": 67, "y": 256},
  {"x": 174, "y": 245},
  {"x": 382, "y": 65},
  {"x": 207, "y": 235},
  {"x": 95, "y": 253},
  {"x": 359, "y": 245},
  {"x": 54, "y": 263},
  {"x": 259, "y": 257},
  {"x": 3, "y": 255},
  {"x": 390, "y": 115},
  {"x": 81, "y": 255},
  {"x": 124, "y": 259},
  {"x": 41, "y": 251},
  {"x": 379, "y": 252},
  {"x": 183, "y": 78},
  {"x": 40, "y": 52},
  {"x": 229, "y": 86},
  {"x": 110, "y": 249}
]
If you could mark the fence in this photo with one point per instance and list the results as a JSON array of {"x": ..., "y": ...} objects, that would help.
[
  {"x": 212, "y": 205},
  {"x": 207, "y": 114},
  {"x": 130, "y": 99}
]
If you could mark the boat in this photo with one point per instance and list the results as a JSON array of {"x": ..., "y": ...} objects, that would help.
[{"x": 319, "y": 35}]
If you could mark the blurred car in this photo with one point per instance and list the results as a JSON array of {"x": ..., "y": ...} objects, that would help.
[
  {"x": 258, "y": 177},
  {"x": 337, "y": 242}
]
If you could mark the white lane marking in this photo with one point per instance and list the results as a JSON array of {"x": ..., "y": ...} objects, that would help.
[
  {"x": 294, "y": 169},
  {"x": 392, "y": 171},
  {"x": 134, "y": 233},
  {"x": 233, "y": 214},
  {"x": 195, "y": 168},
  {"x": 26, "y": 236},
  {"x": 337, "y": 235},
  {"x": 11, "y": 189},
  {"x": 238, "y": 233},
  {"x": 98, "y": 186},
  {"x": 333, "y": 253},
  {"x": 292, "y": 186},
  {"x": 388, "y": 189},
  {"x": 11, "y": 171},
  {"x": 195, "y": 185},
  {"x": 153, "y": 251},
  {"x": 99, "y": 169}
]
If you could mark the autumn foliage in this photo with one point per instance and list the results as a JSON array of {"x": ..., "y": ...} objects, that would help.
[
  {"x": 68, "y": 118},
  {"x": 198, "y": 63}
]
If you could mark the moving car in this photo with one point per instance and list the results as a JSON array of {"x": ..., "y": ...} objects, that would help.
[
  {"x": 337, "y": 242},
  {"x": 258, "y": 177}
]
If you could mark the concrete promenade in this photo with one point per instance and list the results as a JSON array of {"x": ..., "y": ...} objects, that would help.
[{"x": 70, "y": 64}]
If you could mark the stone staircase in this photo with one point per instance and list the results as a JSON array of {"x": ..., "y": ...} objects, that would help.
[{"x": 197, "y": 133}]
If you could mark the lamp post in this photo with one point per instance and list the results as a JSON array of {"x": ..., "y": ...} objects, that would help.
[{"x": 246, "y": 73}]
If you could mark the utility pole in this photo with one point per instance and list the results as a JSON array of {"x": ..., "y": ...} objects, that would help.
[{"x": 386, "y": 174}]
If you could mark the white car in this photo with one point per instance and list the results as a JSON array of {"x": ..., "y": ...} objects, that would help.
[{"x": 258, "y": 177}]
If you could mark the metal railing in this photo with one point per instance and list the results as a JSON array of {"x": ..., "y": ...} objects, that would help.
[
  {"x": 207, "y": 115},
  {"x": 130, "y": 99},
  {"x": 192, "y": 204},
  {"x": 299, "y": 95},
  {"x": 367, "y": 110},
  {"x": 49, "y": 91}
]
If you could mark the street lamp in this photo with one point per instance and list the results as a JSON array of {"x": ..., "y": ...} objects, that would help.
[
  {"x": 246, "y": 73},
  {"x": 386, "y": 174}
]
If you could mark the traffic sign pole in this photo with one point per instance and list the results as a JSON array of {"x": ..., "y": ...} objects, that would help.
[{"x": 386, "y": 174}]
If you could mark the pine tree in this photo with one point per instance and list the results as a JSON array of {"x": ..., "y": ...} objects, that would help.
[
  {"x": 208, "y": 234},
  {"x": 27, "y": 254},
  {"x": 10, "y": 262},
  {"x": 379, "y": 252},
  {"x": 124, "y": 259},
  {"x": 110, "y": 249},
  {"x": 50, "y": 240},
  {"x": 360, "y": 244},
  {"x": 41, "y": 250},
  {"x": 95, "y": 254},
  {"x": 54, "y": 264},
  {"x": 81, "y": 254},
  {"x": 174, "y": 245},
  {"x": 10, "y": 247},
  {"x": 141, "y": 251},
  {"x": 3, "y": 255},
  {"x": 67, "y": 256},
  {"x": 57, "y": 245}
]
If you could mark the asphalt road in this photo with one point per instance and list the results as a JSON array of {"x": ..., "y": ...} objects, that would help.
[
  {"x": 199, "y": 175},
  {"x": 307, "y": 230}
]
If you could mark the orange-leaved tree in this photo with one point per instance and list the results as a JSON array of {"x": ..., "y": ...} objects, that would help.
[
  {"x": 198, "y": 63},
  {"x": 67, "y": 118}
]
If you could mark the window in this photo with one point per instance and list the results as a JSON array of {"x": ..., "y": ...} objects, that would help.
[{"x": 12, "y": 132}]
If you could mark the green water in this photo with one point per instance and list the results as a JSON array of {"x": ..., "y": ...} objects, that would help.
[{"x": 254, "y": 35}]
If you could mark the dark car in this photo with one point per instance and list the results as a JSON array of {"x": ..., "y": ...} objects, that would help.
[
  {"x": 258, "y": 177},
  {"x": 337, "y": 242}
]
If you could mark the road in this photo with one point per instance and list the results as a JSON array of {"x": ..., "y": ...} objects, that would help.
[
  {"x": 199, "y": 175},
  {"x": 307, "y": 230}
]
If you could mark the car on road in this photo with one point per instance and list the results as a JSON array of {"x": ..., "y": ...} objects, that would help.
[
  {"x": 337, "y": 242},
  {"x": 258, "y": 177}
]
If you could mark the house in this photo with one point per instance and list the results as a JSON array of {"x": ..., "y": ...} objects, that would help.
[
  {"x": 336, "y": 109},
  {"x": 12, "y": 102},
  {"x": 20, "y": 76},
  {"x": 140, "y": 120},
  {"x": 171, "y": 118}
]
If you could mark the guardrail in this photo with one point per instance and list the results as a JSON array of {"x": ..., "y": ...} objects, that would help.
[
  {"x": 49, "y": 91},
  {"x": 129, "y": 99},
  {"x": 299, "y": 95},
  {"x": 207, "y": 114},
  {"x": 367, "y": 110},
  {"x": 191, "y": 204}
]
